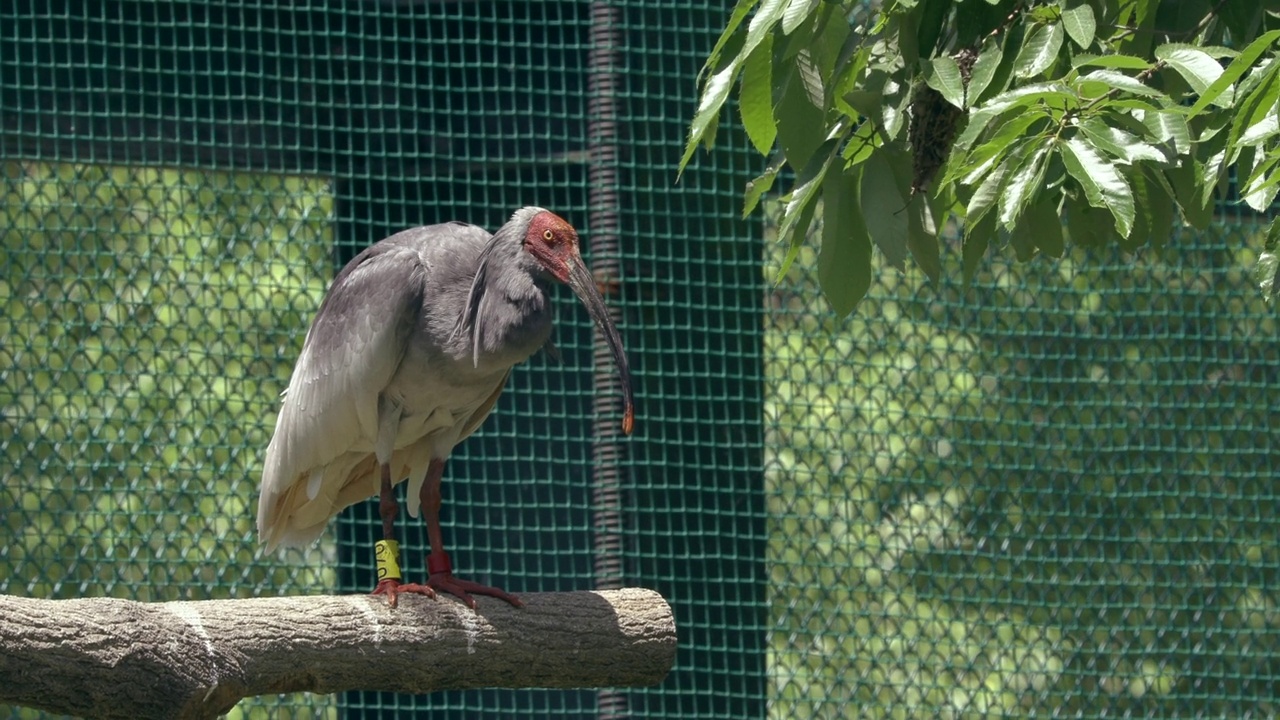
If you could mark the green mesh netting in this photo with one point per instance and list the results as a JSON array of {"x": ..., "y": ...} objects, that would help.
[{"x": 1049, "y": 492}]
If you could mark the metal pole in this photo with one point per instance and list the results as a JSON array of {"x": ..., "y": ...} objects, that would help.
[{"x": 603, "y": 221}]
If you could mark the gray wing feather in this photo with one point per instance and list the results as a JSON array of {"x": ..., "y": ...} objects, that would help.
[{"x": 350, "y": 355}]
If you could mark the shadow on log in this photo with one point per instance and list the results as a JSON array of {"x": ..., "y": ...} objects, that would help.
[{"x": 109, "y": 658}]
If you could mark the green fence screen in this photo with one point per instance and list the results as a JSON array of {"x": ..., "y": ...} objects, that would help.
[{"x": 1050, "y": 492}]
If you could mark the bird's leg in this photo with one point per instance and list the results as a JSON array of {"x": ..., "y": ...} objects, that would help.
[
  {"x": 440, "y": 570},
  {"x": 388, "y": 551}
]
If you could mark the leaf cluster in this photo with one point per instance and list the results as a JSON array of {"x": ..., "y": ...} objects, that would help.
[{"x": 1128, "y": 118}]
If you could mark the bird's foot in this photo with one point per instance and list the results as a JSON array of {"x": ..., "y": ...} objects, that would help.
[
  {"x": 393, "y": 588},
  {"x": 442, "y": 579}
]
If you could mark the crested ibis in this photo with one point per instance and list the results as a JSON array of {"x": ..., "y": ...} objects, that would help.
[{"x": 405, "y": 358}]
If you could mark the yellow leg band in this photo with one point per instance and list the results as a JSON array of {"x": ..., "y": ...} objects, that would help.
[{"x": 387, "y": 554}]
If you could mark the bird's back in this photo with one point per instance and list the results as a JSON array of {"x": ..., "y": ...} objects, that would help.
[{"x": 385, "y": 332}]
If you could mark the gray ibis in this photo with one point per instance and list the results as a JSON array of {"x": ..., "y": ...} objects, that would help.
[{"x": 405, "y": 358}]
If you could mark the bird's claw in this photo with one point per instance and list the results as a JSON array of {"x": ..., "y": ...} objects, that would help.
[
  {"x": 393, "y": 588},
  {"x": 463, "y": 589}
]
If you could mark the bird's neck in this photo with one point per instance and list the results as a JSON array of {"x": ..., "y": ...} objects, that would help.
[{"x": 514, "y": 318}]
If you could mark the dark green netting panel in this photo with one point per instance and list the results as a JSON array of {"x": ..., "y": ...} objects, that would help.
[
  {"x": 1050, "y": 492},
  {"x": 182, "y": 180}
]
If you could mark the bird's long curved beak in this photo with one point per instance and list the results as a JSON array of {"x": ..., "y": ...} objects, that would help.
[{"x": 584, "y": 286}]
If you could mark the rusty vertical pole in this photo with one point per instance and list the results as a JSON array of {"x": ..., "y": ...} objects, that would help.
[{"x": 604, "y": 209}]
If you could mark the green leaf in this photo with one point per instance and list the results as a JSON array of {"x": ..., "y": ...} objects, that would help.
[
  {"x": 740, "y": 12},
  {"x": 977, "y": 236},
  {"x": 1030, "y": 95},
  {"x": 933, "y": 14},
  {"x": 1024, "y": 182},
  {"x": 810, "y": 79},
  {"x": 1258, "y": 102},
  {"x": 1103, "y": 185},
  {"x": 758, "y": 187},
  {"x": 1040, "y": 51},
  {"x": 861, "y": 144},
  {"x": 1089, "y": 226},
  {"x": 1043, "y": 217},
  {"x": 1124, "y": 62},
  {"x": 844, "y": 260},
  {"x": 1010, "y": 49},
  {"x": 1194, "y": 65},
  {"x": 714, "y": 93},
  {"x": 1160, "y": 209},
  {"x": 795, "y": 237},
  {"x": 1122, "y": 145},
  {"x": 808, "y": 184},
  {"x": 1261, "y": 131},
  {"x": 1079, "y": 23},
  {"x": 1259, "y": 191},
  {"x": 1170, "y": 126},
  {"x": 1185, "y": 180},
  {"x": 1154, "y": 221},
  {"x": 801, "y": 124},
  {"x": 984, "y": 70},
  {"x": 1116, "y": 80},
  {"x": 1264, "y": 272},
  {"x": 797, "y": 12},
  {"x": 762, "y": 23},
  {"x": 882, "y": 208},
  {"x": 942, "y": 74},
  {"x": 988, "y": 192},
  {"x": 1014, "y": 128},
  {"x": 922, "y": 236},
  {"x": 755, "y": 97},
  {"x": 1236, "y": 70}
]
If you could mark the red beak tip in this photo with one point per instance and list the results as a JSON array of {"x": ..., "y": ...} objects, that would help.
[{"x": 628, "y": 422}]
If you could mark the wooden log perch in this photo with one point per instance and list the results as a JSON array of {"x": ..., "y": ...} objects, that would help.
[{"x": 110, "y": 658}]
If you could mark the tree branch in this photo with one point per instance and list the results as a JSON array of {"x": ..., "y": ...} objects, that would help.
[{"x": 110, "y": 658}]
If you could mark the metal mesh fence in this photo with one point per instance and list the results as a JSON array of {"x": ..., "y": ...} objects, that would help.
[
  {"x": 1047, "y": 492},
  {"x": 1051, "y": 492}
]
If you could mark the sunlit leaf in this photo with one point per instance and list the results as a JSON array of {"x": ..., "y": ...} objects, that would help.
[
  {"x": 757, "y": 188},
  {"x": 1079, "y": 23},
  {"x": 1120, "y": 144},
  {"x": 1236, "y": 70},
  {"x": 1024, "y": 182},
  {"x": 714, "y": 94},
  {"x": 1124, "y": 62},
  {"x": 755, "y": 97},
  {"x": 922, "y": 236},
  {"x": 1118, "y": 81},
  {"x": 797, "y": 11},
  {"x": 1103, "y": 185},
  {"x": 1264, "y": 272},
  {"x": 942, "y": 74},
  {"x": 1040, "y": 50},
  {"x": 984, "y": 69},
  {"x": 1193, "y": 64}
]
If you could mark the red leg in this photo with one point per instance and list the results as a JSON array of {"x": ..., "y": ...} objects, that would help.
[
  {"x": 440, "y": 571},
  {"x": 388, "y": 508}
]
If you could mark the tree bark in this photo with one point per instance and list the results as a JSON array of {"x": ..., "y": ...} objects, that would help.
[{"x": 110, "y": 658}]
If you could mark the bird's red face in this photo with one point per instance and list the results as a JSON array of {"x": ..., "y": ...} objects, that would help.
[{"x": 554, "y": 243}]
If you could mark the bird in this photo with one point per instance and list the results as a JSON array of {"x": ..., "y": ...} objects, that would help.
[{"x": 405, "y": 358}]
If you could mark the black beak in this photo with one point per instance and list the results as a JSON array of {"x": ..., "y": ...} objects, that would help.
[{"x": 584, "y": 286}]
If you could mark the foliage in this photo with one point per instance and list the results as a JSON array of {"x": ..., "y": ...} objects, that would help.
[
  {"x": 1126, "y": 117},
  {"x": 150, "y": 321},
  {"x": 1045, "y": 492}
]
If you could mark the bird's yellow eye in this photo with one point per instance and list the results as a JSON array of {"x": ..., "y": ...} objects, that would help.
[{"x": 548, "y": 235}]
